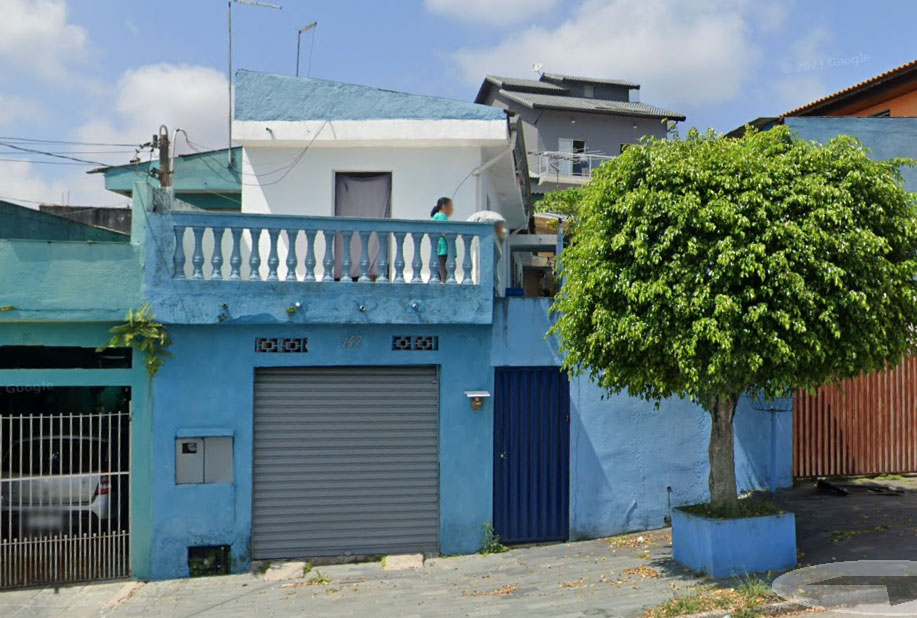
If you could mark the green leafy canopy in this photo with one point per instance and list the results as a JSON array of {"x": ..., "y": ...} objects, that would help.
[{"x": 711, "y": 266}]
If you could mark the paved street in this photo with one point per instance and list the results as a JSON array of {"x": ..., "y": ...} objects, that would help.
[
  {"x": 875, "y": 521},
  {"x": 623, "y": 578}
]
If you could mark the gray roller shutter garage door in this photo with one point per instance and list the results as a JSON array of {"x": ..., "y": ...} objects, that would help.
[{"x": 346, "y": 461}]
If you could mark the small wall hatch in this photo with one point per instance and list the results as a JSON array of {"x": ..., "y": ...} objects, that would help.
[{"x": 203, "y": 460}]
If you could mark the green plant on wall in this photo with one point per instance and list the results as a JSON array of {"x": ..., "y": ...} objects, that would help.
[{"x": 143, "y": 333}]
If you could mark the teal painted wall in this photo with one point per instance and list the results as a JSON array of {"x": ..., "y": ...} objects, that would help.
[
  {"x": 70, "y": 293},
  {"x": 19, "y": 222},
  {"x": 203, "y": 180},
  {"x": 73, "y": 281}
]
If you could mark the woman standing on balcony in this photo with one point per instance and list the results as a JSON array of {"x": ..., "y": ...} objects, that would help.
[{"x": 441, "y": 212}]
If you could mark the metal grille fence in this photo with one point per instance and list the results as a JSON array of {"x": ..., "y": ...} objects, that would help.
[
  {"x": 866, "y": 425},
  {"x": 64, "y": 497}
]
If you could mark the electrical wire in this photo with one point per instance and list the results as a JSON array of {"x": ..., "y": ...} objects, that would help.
[
  {"x": 58, "y": 141},
  {"x": 285, "y": 170},
  {"x": 72, "y": 152},
  {"x": 22, "y": 148},
  {"x": 47, "y": 162}
]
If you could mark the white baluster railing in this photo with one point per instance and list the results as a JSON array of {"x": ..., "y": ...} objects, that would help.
[{"x": 268, "y": 248}]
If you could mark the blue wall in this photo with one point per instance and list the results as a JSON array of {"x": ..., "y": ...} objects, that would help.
[
  {"x": 207, "y": 389},
  {"x": 624, "y": 453},
  {"x": 886, "y": 137}
]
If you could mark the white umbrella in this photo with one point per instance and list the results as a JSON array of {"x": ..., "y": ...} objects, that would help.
[{"x": 487, "y": 216}]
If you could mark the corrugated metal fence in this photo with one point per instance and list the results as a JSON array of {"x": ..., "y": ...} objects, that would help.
[
  {"x": 866, "y": 425},
  {"x": 531, "y": 454}
]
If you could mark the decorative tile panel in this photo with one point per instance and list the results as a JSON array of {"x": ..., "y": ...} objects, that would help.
[
  {"x": 282, "y": 345},
  {"x": 429, "y": 343}
]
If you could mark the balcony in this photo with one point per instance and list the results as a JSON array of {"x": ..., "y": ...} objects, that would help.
[
  {"x": 570, "y": 168},
  {"x": 205, "y": 268}
]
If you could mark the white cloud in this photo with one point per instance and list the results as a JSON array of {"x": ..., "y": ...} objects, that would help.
[
  {"x": 492, "y": 12},
  {"x": 36, "y": 36},
  {"x": 21, "y": 181},
  {"x": 180, "y": 96},
  {"x": 689, "y": 52},
  {"x": 803, "y": 70},
  {"x": 28, "y": 184},
  {"x": 14, "y": 109}
]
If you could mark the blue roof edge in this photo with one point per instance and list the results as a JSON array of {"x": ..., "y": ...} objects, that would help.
[{"x": 271, "y": 96}]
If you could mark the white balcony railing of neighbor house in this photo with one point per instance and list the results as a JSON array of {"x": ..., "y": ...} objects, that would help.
[
  {"x": 555, "y": 163},
  {"x": 334, "y": 250}
]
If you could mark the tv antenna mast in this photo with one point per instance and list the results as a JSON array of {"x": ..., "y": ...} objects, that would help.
[
  {"x": 229, "y": 4},
  {"x": 299, "y": 34}
]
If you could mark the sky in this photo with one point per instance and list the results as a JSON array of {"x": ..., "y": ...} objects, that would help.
[{"x": 108, "y": 73}]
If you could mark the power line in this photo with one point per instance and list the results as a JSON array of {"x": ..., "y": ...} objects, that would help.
[
  {"x": 284, "y": 169},
  {"x": 24, "y": 149},
  {"x": 73, "y": 152},
  {"x": 58, "y": 141},
  {"x": 47, "y": 162}
]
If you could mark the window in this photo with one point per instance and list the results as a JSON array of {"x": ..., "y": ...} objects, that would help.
[
  {"x": 589, "y": 91},
  {"x": 885, "y": 113}
]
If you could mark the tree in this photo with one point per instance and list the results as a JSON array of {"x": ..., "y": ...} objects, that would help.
[{"x": 710, "y": 267}]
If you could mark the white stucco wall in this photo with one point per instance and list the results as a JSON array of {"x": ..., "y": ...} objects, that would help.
[{"x": 419, "y": 177}]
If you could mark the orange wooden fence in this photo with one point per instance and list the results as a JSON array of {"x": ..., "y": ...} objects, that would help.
[{"x": 867, "y": 425}]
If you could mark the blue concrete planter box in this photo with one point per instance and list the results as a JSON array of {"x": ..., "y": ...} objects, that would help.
[{"x": 727, "y": 547}]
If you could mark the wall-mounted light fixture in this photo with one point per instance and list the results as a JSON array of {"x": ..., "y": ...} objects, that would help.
[{"x": 477, "y": 398}]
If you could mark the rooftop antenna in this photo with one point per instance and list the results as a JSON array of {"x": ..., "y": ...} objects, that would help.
[
  {"x": 229, "y": 4},
  {"x": 299, "y": 34}
]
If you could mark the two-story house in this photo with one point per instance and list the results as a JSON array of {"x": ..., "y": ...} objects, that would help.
[
  {"x": 573, "y": 124},
  {"x": 329, "y": 393}
]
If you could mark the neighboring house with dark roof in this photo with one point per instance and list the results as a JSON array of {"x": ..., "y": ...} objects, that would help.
[
  {"x": 891, "y": 94},
  {"x": 887, "y": 95},
  {"x": 573, "y": 124}
]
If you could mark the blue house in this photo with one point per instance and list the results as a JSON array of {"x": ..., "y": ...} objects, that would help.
[
  {"x": 331, "y": 395},
  {"x": 347, "y": 379}
]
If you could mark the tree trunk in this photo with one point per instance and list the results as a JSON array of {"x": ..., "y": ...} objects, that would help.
[{"x": 723, "y": 493}]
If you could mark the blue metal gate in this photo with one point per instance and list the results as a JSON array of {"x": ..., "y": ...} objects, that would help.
[{"x": 531, "y": 454}]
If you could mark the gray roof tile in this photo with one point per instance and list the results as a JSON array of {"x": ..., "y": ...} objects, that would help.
[
  {"x": 590, "y": 80},
  {"x": 600, "y": 106},
  {"x": 512, "y": 83}
]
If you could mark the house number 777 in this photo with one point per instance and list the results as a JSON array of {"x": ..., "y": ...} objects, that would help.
[{"x": 352, "y": 342}]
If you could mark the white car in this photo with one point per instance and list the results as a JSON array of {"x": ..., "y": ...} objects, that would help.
[{"x": 57, "y": 483}]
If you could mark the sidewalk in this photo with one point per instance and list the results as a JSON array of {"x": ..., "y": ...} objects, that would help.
[{"x": 621, "y": 577}]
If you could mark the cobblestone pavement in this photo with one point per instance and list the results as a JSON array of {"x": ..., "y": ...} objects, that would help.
[{"x": 619, "y": 577}]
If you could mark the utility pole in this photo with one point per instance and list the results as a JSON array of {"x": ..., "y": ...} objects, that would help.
[
  {"x": 229, "y": 4},
  {"x": 299, "y": 34},
  {"x": 165, "y": 160}
]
